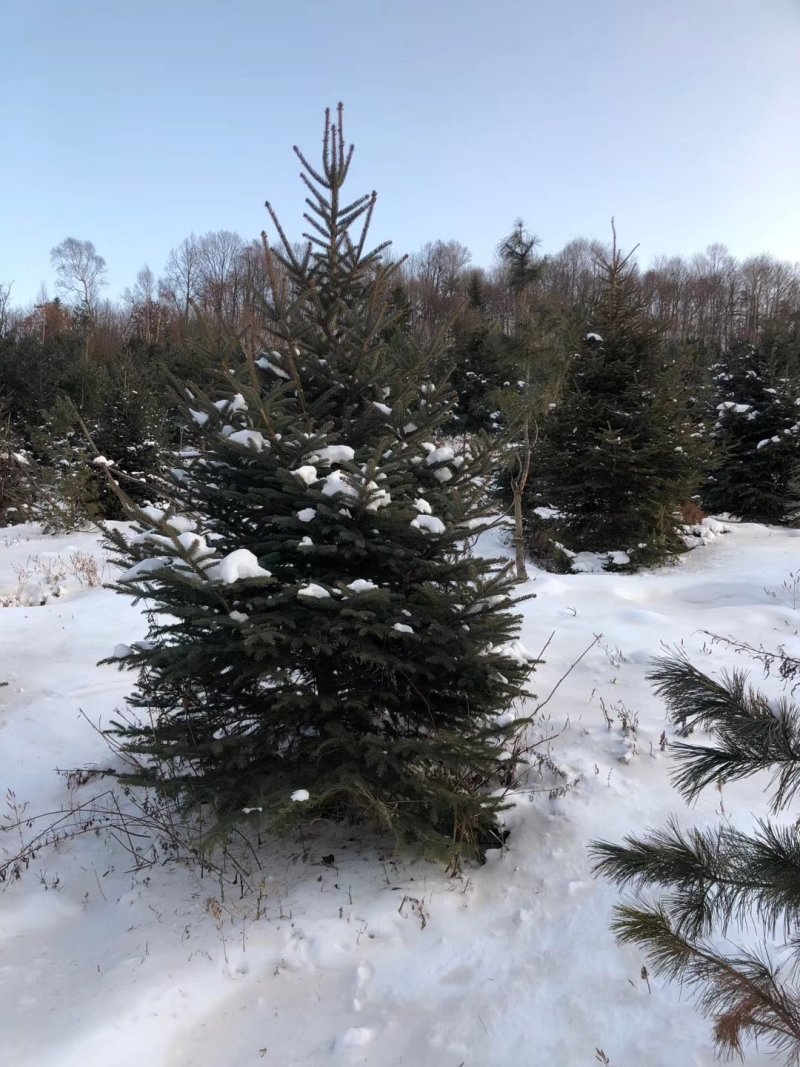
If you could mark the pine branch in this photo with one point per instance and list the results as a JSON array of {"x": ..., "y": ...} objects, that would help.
[
  {"x": 713, "y": 876},
  {"x": 695, "y": 699},
  {"x": 749, "y": 735},
  {"x": 742, "y": 994}
]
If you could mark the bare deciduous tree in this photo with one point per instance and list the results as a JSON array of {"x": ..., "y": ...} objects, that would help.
[
  {"x": 180, "y": 285},
  {"x": 435, "y": 277},
  {"x": 5, "y": 307},
  {"x": 80, "y": 271},
  {"x": 146, "y": 314},
  {"x": 220, "y": 272}
]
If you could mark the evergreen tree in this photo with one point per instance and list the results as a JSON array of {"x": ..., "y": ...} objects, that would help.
[
  {"x": 617, "y": 459},
  {"x": 34, "y": 373},
  {"x": 480, "y": 363},
  {"x": 399, "y": 313},
  {"x": 322, "y": 644},
  {"x": 124, "y": 425},
  {"x": 517, "y": 252},
  {"x": 709, "y": 880},
  {"x": 16, "y": 474},
  {"x": 756, "y": 438},
  {"x": 130, "y": 431},
  {"x": 534, "y": 368}
]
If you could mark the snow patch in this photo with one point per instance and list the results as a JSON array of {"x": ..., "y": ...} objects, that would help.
[
  {"x": 336, "y": 454},
  {"x": 362, "y": 585},
  {"x": 249, "y": 439},
  {"x": 337, "y": 484},
  {"x": 440, "y": 455},
  {"x": 306, "y": 474},
  {"x": 238, "y": 564},
  {"x": 267, "y": 364},
  {"x": 314, "y": 592},
  {"x": 428, "y": 524}
]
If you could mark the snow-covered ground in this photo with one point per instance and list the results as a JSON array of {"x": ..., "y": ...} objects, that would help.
[{"x": 371, "y": 959}]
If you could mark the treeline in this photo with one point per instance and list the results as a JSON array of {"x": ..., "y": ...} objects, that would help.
[
  {"x": 710, "y": 298},
  {"x": 714, "y": 362}
]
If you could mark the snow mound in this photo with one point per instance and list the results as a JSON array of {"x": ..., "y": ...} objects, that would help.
[
  {"x": 236, "y": 565},
  {"x": 362, "y": 585},
  {"x": 337, "y": 484},
  {"x": 428, "y": 524},
  {"x": 336, "y": 454},
  {"x": 440, "y": 455},
  {"x": 704, "y": 533},
  {"x": 313, "y": 591},
  {"x": 306, "y": 474},
  {"x": 249, "y": 439}
]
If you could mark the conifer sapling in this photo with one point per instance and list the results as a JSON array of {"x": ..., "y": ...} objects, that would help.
[{"x": 319, "y": 629}]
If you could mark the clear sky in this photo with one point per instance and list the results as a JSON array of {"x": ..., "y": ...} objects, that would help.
[{"x": 133, "y": 124}]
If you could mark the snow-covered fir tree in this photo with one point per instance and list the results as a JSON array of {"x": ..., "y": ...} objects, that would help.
[
  {"x": 322, "y": 641},
  {"x": 756, "y": 438},
  {"x": 617, "y": 458}
]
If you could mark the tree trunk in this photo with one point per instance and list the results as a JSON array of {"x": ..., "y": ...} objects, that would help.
[
  {"x": 518, "y": 484},
  {"x": 519, "y": 533}
]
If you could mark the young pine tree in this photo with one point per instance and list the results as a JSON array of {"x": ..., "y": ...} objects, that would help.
[
  {"x": 709, "y": 880},
  {"x": 756, "y": 439},
  {"x": 617, "y": 457},
  {"x": 322, "y": 644}
]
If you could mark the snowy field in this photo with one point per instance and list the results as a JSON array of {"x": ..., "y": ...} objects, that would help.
[{"x": 368, "y": 959}]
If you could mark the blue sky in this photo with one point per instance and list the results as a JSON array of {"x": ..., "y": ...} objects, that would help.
[{"x": 133, "y": 125}]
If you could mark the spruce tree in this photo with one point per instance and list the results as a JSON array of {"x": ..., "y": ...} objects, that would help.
[
  {"x": 708, "y": 881},
  {"x": 17, "y": 474},
  {"x": 617, "y": 458},
  {"x": 322, "y": 642},
  {"x": 479, "y": 364},
  {"x": 756, "y": 438},
  {"x": 124, "y": 426},
  {"x": 537, "y": 356}
]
